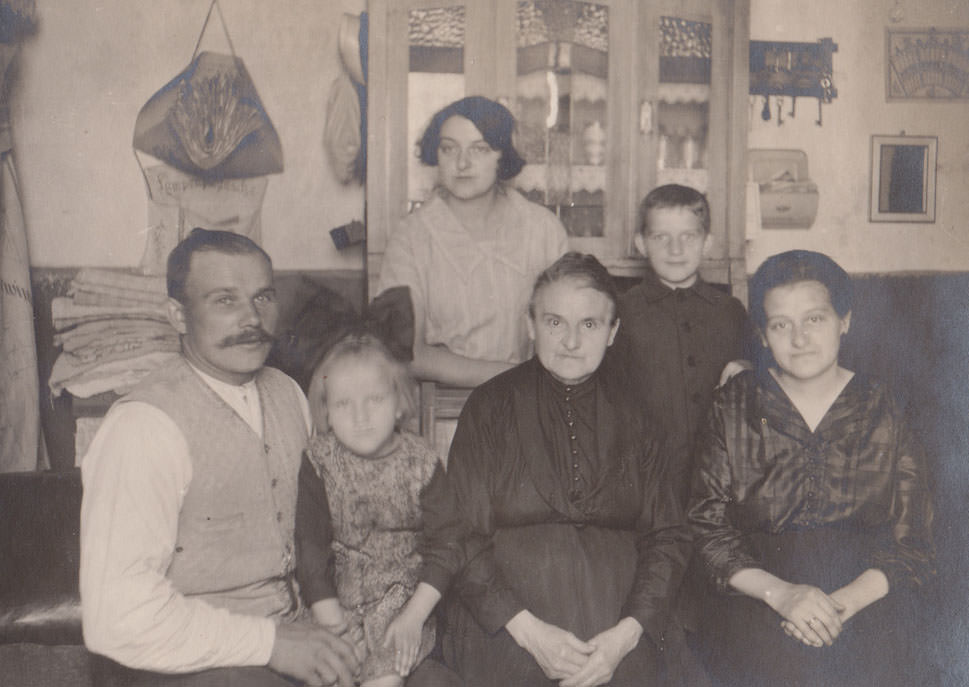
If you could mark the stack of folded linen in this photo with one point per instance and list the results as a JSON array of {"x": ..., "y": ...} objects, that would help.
[{"x": 113, "y": 330}]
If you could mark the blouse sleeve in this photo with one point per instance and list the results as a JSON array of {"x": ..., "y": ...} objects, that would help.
[
  {"x": 402, "y": 266},
  {"x": 909, "y": 558},
  {"x": 717, "y": 542},
  {"x": 663, "y": 547},
  {"x": 460, "y": 523}
]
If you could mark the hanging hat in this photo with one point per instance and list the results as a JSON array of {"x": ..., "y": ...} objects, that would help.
[
  {"x": 348, "y": 39},
  {"x": 208, "y": 121}
]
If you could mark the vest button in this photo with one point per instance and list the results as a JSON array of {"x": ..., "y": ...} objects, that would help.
[
  {"x": 279, "y": 517},
  {"x": 274, "y": 482},
  {"x": 179, "y": 549},
  {"x": 265, "y": 448}
]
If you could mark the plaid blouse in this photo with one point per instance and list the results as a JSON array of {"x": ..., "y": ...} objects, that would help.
[{"x": 761, "y": 469}]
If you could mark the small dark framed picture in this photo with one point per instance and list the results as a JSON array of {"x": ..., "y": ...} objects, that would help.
[{"x": 903, "y": 178}]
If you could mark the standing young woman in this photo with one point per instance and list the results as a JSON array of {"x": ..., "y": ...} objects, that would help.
[
  {"x": 471, "y": 253},
  {"x": 810, "y": 506}
]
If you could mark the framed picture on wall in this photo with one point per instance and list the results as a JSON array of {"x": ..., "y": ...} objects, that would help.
[
  {"x": 927, "y": 64},
  {"x": 903, "y": 178}
]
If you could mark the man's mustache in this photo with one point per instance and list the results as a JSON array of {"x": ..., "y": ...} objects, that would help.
[{"x": 258, "y": 335}]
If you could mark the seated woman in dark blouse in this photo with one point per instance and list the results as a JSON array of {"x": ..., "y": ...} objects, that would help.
[
  {"x": 810, "y": 508},
  {"x": 555, "y": 521}
]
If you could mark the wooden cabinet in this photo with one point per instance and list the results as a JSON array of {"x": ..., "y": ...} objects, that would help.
[{"x": 612, "y": 98}]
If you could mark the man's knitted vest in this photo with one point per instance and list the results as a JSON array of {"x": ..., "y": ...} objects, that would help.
[{"x": 234, "y": 547}]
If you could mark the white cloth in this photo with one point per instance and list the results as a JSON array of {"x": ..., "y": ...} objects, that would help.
[
  {"x": 135, "y": 476},
  {"x": 474, "y": 293}
]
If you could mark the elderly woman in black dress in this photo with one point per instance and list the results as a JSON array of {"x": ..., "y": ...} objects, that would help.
[
  {"x": 556, "y": 523},
  {"x": 810, "y": 508}
]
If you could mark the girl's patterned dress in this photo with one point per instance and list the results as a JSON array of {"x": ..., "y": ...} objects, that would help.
[{"x": 376, "y": 513}]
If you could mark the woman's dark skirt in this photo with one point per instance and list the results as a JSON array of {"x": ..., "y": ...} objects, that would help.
[{"x": 742, "y": 644}]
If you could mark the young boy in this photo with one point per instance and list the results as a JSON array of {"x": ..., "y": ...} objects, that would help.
[{"x": 677, "y": 332}]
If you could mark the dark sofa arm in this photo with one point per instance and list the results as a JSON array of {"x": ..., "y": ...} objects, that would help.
[{"x": 39, "y": 557}]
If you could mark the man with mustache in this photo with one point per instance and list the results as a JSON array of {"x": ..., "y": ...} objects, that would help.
[{"x": 187, "y": 547}]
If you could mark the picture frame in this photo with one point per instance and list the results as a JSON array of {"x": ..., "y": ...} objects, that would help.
[
  {"x": 903, "y": 178},
  {"x": 927, "y": 65}
]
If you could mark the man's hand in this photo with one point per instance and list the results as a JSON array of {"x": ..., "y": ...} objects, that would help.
[
  {"x": 313, "y": 654},
  {"x": 558, "y": 653},
  {"x": 340, "y": 622},
  {"x": 329, "y": 614}
]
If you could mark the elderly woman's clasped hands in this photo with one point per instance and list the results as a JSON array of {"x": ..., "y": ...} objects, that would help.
[{"x": 563, "y": 656}]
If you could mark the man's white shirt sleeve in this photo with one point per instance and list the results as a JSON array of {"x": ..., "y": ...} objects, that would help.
[{"x": 135, "y": 476}]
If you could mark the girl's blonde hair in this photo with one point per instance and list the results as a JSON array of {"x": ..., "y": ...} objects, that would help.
[{"x": 361, "y": 346}]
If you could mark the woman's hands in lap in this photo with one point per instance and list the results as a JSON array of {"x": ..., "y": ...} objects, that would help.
[
  {"x": 814, "y": 614},
  {"x": 560, "y": 654},
  {"x": 852, "y": 598},
  {"x": 611, "y": 647}
]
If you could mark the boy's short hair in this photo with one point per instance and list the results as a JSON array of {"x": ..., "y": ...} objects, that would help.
[
  {"x": 675, "y": 196},
  {"x": 581, "y": 267},
  {"x": 795, "y": 266},
  {"x": 360, "y": 345},
  {"x": 199, "y": 241}
]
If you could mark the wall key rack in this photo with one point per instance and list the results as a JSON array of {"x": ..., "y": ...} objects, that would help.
[{"x": 794, "y": 70}]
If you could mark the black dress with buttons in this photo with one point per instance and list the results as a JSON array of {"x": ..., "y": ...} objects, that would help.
[{"x": 563, "y": 508}]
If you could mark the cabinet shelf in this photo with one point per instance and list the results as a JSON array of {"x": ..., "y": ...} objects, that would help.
[{"x": 588, "y": 178}]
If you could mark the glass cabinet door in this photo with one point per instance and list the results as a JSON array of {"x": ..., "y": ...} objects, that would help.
[
  {"x": 685, "y": 58},
  {"x": 435, "y": 77},
  {"x": 562, "y": 70},
  {"x": 683, "y": 102},
  {"x": 568, "y": 71}
]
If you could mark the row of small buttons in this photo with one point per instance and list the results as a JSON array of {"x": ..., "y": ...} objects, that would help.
[
  {"x": 570, "y": 421},
  {"x": 287, "y": 562}
]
